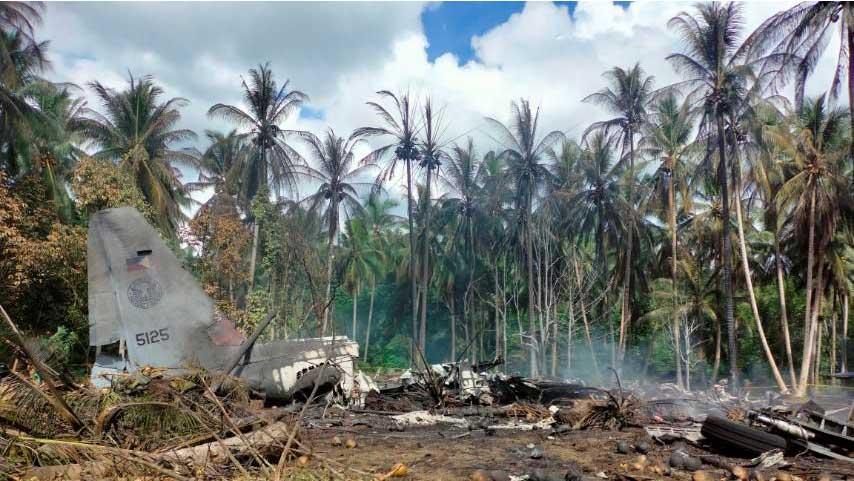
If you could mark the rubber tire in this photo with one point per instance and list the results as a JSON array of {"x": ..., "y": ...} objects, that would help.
[{"x": 740, "y": 437}]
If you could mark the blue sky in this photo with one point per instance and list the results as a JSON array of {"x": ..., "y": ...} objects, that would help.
[{"x": 450, "y": 26}]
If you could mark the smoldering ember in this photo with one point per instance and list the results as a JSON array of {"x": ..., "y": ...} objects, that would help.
[{"x": 544, "y": 241}]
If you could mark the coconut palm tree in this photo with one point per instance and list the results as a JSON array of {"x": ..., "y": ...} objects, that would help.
[
  {"x": 667, "y": 136},
  {"x": 462, "y": 179},
  {"x": 364, "y": 260},
  {"x": 17, "y": 23},
  {"x": 138, "y": 131},
  {"x": 447, "y": 269},
  {"x": 19, "y": 17},
  {"x": 815, "y": 148},
  {"x": 627, "y": 96},
  {"x": 338, "y": 174},
  {"x": 22, "y": 61},
  {"x": 717, "y": 79},
  {"x": 527, "y": 171},
  {"x": 598, "y": 208},
  {"x": 50, "y": 147},
  {"x": 220, "y": 166},
  {"x": 432, "y": 154},
  {"x": 767, "y": 175},
  {"x": 273, "y": 164},
  {"x": 401, "y": 127},
  {"x": 377, "y": 216},
  {"x": 800, "y": 35}
]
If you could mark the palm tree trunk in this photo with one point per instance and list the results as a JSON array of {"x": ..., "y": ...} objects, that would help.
[
  {"x": 650, "y": 348},
  {"x": 355, "y": 309},
  {"x": 255, "y": 227},
  {"x": 784, "y": 316},
  {"x": 496, "y": 310},
  {"x": 817, "y": 298},
  {"x": 671, "y": 206},
  {"x": 425, "y": 267},
  {"x": 532, "y": 300},
  {"x": 554, "y": 344},
  {"x": 850, "y": 39},
  {"x": 593, "y": 360},
  {"x": 453, "y": 328},
  {"x": 504, "y": 345},
  {"x": 818, "y": 343},
  {"x": 809, "y": 333},
  {"x": 412, "y": 279},
  {"x": 466, "y": 331},
  {"x": 717, "y": 364},
  {"x": 626, "y": 312},
  {"x": 833, "y": 340},
  {"x": 254, "y": 255},
  {"x": 330, "y": 256},
  {"x": 687, "y": 359},
  {"x": 748, "y": 279},
  {"x": 844, "y": 367},
  {"x": 569, "y": 328},
  {"x": 370, "y": 318},
  {"x": 726, "y": 257},
  {"x": 480, "y": 330}
]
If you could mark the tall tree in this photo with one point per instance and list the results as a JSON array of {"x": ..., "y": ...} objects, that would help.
[
  {"x": 364, "y": 262},
  {"x": 627, "y": 96},
  {"x": 668, "y": 137},
  {"x": 766, "y": 176},
  {"x": 430, "y": 148},
  {"x": 19, "y": 18},
  {"x": 50, "y": 147},
  {"x": 800, "y": 35},
  {"x": 717, "y": 78},
  {"x": 337, "y": 172},
  {"x": 527, "y": 171},
  {"x": 401, "y": 126},
  {"x": 220, "y": 166},
  {"x": 599, "y": 210},
  {"x": 22, "y": 61},
  {"x": 814, "y": 195},
  {"x": 139, "y": 132},
  {"x": 463, "y": 178},
  {"x": 377, "y": 216},
  {"x": 268, "y": 106}
]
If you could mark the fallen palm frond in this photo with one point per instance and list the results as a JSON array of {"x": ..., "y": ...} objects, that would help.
[
  {"x": 620, "y": 411},
  {"x": 527, "y": 411},
  {"x": 617, "y": 413},
  {"x": 136, "y": 413},
  {"x": 52, "y": 393}
]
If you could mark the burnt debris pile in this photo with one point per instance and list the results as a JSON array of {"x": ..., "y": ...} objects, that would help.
[{"x": 202, "y": 425}]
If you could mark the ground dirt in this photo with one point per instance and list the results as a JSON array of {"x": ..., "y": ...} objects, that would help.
[{"x": 443, "y": 452}]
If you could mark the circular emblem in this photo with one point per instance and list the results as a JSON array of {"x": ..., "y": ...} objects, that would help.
[{"x": 144, "y": 292}]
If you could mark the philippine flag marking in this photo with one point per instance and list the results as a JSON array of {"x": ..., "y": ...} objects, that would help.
[{"x": 138, "y": 263}]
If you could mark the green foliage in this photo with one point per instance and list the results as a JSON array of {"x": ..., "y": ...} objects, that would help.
[
  {"x": 63, "y": 344},
  {"x": 394, "y": 353},
  {"x": 101, "y": 184}
]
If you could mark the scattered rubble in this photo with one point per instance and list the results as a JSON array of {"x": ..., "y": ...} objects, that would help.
[{"x": 182, "y": 428}]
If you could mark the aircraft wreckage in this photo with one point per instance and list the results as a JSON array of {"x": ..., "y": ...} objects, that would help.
[{"x": 145, "y": 309}]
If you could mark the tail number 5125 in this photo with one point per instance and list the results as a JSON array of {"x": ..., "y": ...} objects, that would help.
[{"x": 152, "y": 337}]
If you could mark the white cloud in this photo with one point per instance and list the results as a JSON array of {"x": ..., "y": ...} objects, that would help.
[{"x": 342, "y": 53}]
